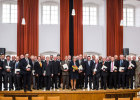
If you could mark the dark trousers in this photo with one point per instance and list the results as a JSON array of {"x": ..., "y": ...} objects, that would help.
[
  {"x": 65, "y": 81},
  {"x": 129, "y": 78},
  {"x": 121, "y": 81},
  {"x": 113, "y": 80},
  {"x": 0, "y": 81},
  {"x": 54, "y": 79},
  {"x": 27, "y": 80},
  {"x": 104, "y": 80},
  {"x": 86, "y": 81},
  {"x": 60, "y": 80},
  {"x": 96, "y": 81},
  {"x": 39, "y": 80},
  {"x": 47, "y": 80},
  {"x": 17, "y": 82},
  {"x": 34, "y": 81},
  {"x": 80, "y": 81},
  {"x": 8, "y": 76}
]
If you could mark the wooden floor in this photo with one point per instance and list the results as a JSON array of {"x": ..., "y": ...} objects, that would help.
[{"x": 74, "y": 95}]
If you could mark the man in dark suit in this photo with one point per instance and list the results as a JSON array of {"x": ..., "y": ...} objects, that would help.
[
  {"x": 88, "y": 72},
  {"x": 104, "y": 73},
  {"x": 96, "y": 68},
  {"x": 3, "y": 59},
  {"x": 122, "y": 72},
  {"x": 33, "y": 71},
  {"x": 113, "y": 73},
  {"x": 93, "y": 59},
  {"x": 16, "y": 73},
  {"x": 47, "y": 72},
  {"x": 56, "y": 71},
  {"x": 60, "y": 76},
  {"x": 1, "y": 71},
  {"x": 26, "y": 70},
  {"x": 131, "y": 66},
  {"x": 38, "y": 67},
  {"x": 80, "y": 81},
  {"x": 8, "y": 72}
]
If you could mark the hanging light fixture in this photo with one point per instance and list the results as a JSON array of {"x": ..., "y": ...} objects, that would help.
[
  {"x": 23, "y": 19},
  {"x": 73, "y": 10},
  {"x": 121, "y": 22}
]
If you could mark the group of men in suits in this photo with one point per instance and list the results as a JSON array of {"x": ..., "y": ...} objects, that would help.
[{"x": 51, "y": 72}]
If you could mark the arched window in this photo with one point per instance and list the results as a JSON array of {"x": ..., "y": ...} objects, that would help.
[
  {"x": 9, "y": 11},
  {"x": 90, "y": 14},
  {"x": 49, "y": 12}
]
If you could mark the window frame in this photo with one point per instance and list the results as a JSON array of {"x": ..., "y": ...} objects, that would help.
[
  {"x": 10, "y": 3},
  {"x": 49, "y": 3},
  {"x": 130, "y": 7},
  {"x": 89, "y": 5}
]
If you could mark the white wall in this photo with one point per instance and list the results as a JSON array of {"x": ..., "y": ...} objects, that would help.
[
  {"x": 131, "y": 39},
  {"x": 8, "y": 35},
  {"x": 49, "y": 35}
]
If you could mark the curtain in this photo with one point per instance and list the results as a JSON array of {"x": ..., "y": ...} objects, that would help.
[
  {"x": 114, "y": 30},
  {"x": 78, "y": 27},
  {"x": 64, "y": 28},
  {"x": 27, "y": 35}
]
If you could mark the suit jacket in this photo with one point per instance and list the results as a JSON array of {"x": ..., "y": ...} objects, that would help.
[
  {"x": 48, "y": 68},
  {"x": 16, "y": 67},
  {"x": 38, "y": 69},
  {"x": 115, "y": 64},
  {"x": 56, "y": 67},
  {"x": 24, "y": 63},
  {"x": 6, "y": 64},
  {"x": 107, "y": 65},
  {"x": 82, "y": 63},
  {"x": 123, "y": 65},
  {"x": 98, "y": 68},
  {"x": 1, "y": 65},
  {"x": 87, "y": 68},
  {"x": 131, "y": 71},
  {"x": 137, "y": 70},
  {"x": 64, "y": 72}
]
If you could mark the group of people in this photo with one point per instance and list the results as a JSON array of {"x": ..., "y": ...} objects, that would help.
[{"x": 80, "y": 72}]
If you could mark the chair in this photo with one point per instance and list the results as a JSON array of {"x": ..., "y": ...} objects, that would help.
[
  {"x": 108, "y": 98},
  {"x": 21, "y": 98},
  {"x": 136, "y": 98},
  {"x": 53, "y": 98},
  {"x": 123, "y": 98},
  {"x": 37, "y": 98},
  {"x": 6, "y": 98}
]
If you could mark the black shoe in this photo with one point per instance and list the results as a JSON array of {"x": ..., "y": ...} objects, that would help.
[
  {"x": 5, "y": 89},
  {"x": 29, "y": 90}
]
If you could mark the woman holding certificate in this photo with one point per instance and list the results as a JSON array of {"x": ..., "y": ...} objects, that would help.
[{"x": 73, "y": 72}]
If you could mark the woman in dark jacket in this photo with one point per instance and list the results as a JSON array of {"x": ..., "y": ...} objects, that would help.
[{"x": 73, "y": 72}]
